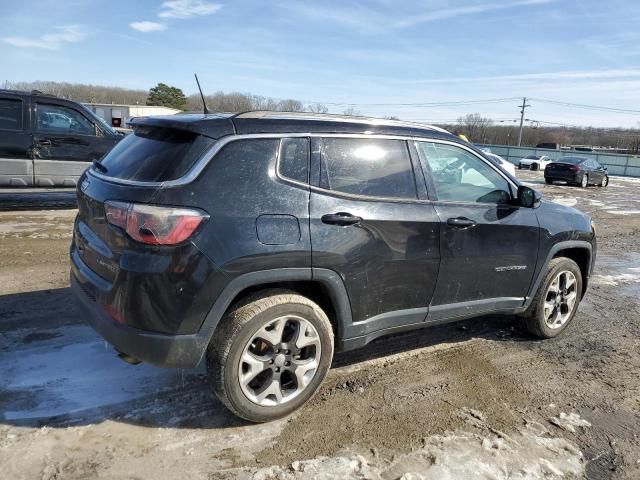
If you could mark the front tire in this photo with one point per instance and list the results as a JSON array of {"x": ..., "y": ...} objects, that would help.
[
  {"x": 548, "y": 181},
  {"x": 605, "y": 181},
  {"x": 557, "y": 299},
  {"x": 535, "y": 167},
  {"x": 269, "y": 355}
]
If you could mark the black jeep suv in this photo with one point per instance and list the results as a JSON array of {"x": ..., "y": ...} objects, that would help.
[
  {"x": 48, "y": 141},
  {"x": 267, "y": 241}
]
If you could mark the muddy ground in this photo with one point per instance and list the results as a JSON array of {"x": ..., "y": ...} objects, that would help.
[{"x": 474, "y": 399}]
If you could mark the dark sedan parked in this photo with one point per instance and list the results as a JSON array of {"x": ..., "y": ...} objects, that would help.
[{"x": 577, "y": 171}]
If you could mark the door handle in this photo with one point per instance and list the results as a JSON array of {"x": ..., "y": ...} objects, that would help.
[
  {"x": 44, "y": 142},
  {"x": 461, "y": 222},
  {"x": 341, "y": 218}
]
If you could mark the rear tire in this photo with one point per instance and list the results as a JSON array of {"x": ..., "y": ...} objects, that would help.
[
  {"x": 548, "y": 181},
  {"x": 549, "y": 314},
  {"x": 269, "y": 355},
  {"x": 584, "y": 183}
]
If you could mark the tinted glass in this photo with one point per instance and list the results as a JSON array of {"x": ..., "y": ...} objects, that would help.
[
  {"x": 571, "y": 160},
  {"x": 58, "y": 119},
  {"x": 532, "y": 157},
  {"x": 10, "y": 114},
  {"x": 155, "y": 154},
  {"x": 293, "y": 161},
  {"x": 460, "y": 176},
  {"x": 371, "y": 167}
]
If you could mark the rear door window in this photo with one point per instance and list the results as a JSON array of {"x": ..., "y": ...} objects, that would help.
[
  {"x": 153, "y": 154},
  {"x": 62, "y": 120},
  {"x": 10, "y": 114},
  {"x": 369, "y": 167},
  {"x": 293, "y": 160}
]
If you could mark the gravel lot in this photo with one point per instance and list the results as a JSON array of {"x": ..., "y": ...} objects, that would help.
[{"x": 472, "y": 399}]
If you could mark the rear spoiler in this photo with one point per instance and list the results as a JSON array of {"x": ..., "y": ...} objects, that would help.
[{"x": 212, "y": 125}]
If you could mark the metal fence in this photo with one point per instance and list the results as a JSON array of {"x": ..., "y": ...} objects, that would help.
[{"x": 623, "y": 165}]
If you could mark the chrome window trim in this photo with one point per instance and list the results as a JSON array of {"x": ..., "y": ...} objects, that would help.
[{"x": 194, "y": 172}]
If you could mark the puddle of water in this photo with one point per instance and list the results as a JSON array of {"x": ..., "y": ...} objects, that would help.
[{"x": 53, "y": 380}]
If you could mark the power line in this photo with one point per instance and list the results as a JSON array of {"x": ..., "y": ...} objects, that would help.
[{"x": 588, "y": 107}]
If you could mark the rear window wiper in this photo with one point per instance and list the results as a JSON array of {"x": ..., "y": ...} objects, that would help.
[{"x": 99, "y": 166}]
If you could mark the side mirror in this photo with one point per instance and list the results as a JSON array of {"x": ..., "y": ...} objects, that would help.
[{"x": 528, "y": 197}]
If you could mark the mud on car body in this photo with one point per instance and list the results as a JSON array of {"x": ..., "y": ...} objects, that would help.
[{"x": 267, "y": 241}]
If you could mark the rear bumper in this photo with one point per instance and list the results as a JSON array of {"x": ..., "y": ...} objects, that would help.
[
  {"x": 164, "y": 350},
  {"x": 570, "y": 177}
]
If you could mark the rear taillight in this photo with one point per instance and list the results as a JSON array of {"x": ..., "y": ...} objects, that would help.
[
  {"x": 152, "y": 224},
  {"x": 574, "y": 168}
]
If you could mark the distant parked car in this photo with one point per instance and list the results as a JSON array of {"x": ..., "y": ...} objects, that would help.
[
  {"x": 549, "y": 145},
  {"x": 498, "y": 160},
  {"x": 534, "y": 162},
  {"x": 578, "y": 171},
  {"x": 48, "y": 141}
]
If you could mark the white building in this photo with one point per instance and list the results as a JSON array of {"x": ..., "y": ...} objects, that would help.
[{"x": 119, "y": 115}]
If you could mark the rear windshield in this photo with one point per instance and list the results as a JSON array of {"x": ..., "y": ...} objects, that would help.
[
  {"x": 572, "y": 160},
  {"x": 152, "y": 154}
]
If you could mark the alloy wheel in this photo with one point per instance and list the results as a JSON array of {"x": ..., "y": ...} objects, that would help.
[
  {"x": 585, "y": 181},
  {"x": 279, "y": 361},
  {"x": 560, "y": 300}
]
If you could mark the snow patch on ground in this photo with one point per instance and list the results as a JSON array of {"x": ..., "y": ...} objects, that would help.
[
  {"x": 615, "y": 280},
  {"x": 569, "y": 421},
  {"x": 567, "y": 201},
  {"x": 623, "y": 212},
  {"x": 530, "y": 454}
]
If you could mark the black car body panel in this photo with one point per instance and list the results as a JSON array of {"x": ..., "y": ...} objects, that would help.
[
  {"x": 375, "y": 264},
  {"x": 50, "y": 142}
]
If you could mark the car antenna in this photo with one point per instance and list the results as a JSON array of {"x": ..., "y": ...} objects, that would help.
[{"x": 204, "y": 103}]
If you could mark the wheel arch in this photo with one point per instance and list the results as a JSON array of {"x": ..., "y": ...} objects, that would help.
[
  {"x": 324, "y": 287},
  {"x": 579, "y": 251}
]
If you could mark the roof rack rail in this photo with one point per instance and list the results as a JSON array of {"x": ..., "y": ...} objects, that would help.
[{"x": 334, "y": 116}]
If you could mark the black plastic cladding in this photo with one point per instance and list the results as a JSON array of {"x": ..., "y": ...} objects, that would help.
[{"x": 402, "y": 266}]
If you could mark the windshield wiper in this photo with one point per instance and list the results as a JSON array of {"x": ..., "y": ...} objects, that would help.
[{"x": 99, "y": 166}]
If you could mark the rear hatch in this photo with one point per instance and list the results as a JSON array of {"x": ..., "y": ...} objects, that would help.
[{"x": 134, "y": 172}]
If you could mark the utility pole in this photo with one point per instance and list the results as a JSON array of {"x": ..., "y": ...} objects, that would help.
[{"x": 524, "y": 105}]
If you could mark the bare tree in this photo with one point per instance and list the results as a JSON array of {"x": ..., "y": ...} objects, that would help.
[
  {"x": 317, "y": 108},
  {"x": 474, "y": 126},
  {"x": 80, "y": 92},
  {"x": 352, "y": 112}
]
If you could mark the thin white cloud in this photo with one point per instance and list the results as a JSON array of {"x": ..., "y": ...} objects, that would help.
[
  {"x": 51, "y": 41},
  {"x": 147, "y": 26},
  {"x": 455, "y": 12},
  {"x": 594, "y": 75},
  {"x": 188, "y": 8},
  {"x": 371, "y": 19}
]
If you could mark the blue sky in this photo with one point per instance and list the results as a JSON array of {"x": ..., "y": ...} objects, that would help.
[{"x": 382, "y": 52}]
